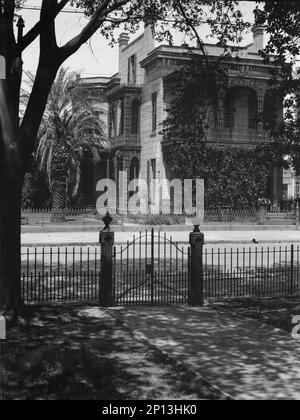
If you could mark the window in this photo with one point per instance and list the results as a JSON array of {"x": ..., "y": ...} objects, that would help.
[
  {"x": 121, "y": 116},
  {"x": 285, "y": 191},
  {"x": 151, "y": 170},
  {"x": 151, "y": 175},
  {"x": 154, "y": 112},
  {"x": 112, "y": 122},
  {"x": 132, "y": 69},
  {"x": 134, "y": 168},
  {"x": 135, "y": 111},
  {"x": 240, "y": 108}
]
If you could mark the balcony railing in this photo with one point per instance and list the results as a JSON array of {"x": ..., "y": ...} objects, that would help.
[{"x": 132, "y": 139}]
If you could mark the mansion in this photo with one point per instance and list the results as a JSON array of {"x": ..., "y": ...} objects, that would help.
[{"x": 136, "y": 101}]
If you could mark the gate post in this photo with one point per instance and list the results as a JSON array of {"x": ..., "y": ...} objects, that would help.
[
  {"x": 196, "y": 289},
  {"x": 107, "y": 239},
  {"x": 262, "y": 215}
]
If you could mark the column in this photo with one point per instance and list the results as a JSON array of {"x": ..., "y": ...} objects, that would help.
[
  {"x": 261, "y": 92},
  {"x": 196, "y": 286},
  {"x": 106, "y": 281}
]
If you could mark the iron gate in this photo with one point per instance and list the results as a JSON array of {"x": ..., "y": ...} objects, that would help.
[{"x": 151, "y": 270}]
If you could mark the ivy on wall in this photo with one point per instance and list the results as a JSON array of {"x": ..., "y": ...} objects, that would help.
[{"x": 234, "y": 175}]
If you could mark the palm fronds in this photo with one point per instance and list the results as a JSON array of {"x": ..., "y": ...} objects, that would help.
[{"x": 72, "y": 127}]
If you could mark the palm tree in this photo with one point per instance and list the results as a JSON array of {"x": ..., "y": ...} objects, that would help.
[{"x": 70, "y": 129}]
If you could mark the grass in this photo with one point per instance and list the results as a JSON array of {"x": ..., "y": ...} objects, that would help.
[{"x": 82, "y": 353}]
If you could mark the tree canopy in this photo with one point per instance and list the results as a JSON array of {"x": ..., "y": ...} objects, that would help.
[
  {"x": 281, "y": 20},
  {"x": 197, "y": 86},
  {"x": 102, "y": 15}
]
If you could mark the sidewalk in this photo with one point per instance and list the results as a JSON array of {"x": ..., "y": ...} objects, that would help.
[
  {"x": 241, "y": 357},
  {"x": 211, "y": 237}
]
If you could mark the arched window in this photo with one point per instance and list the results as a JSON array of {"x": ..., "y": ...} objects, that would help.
[
  {"x": 270, "y": 115},
  {"x": 112, "y": 121},
  {"x": 135, "y": 113},
  {"x": 120, "y": 163},
  {"x": 240, "y": 108},
  {"x": 134, "y": 168}
]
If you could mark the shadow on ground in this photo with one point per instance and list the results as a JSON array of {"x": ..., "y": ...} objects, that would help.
[
  {"x": 83, "y": 353},
  {"x": 277, "y": 312},
  {"x": 243, "y": 358}
]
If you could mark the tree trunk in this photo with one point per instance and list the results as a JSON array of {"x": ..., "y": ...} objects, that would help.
[
  {"x": 17, "y": 143},
  {"x": 11, "y": 179},
  {"x": 58, "y": 201},
  {"x": 10, "y": 244}
]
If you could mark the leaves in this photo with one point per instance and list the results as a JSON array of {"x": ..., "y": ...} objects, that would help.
[
  {"x": 282, "y": 22},
  {"x": 71, "y": 128},
  {"x": 233, "y": 176}
]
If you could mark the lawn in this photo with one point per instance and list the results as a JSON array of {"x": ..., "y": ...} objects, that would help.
[{"x": 80, "y": 352}]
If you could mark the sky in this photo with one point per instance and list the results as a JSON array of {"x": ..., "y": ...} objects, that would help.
[{"x": 96, "y": 58}]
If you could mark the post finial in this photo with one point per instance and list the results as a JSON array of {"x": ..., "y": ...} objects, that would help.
[
  {"x": 107, "y": 220},
  {"x": 21, "y": 23},
  {"x": 20, "y": 26},
  {"x": 196, "y": 229}
]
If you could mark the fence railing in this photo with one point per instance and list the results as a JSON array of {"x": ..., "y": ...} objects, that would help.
[
  {"x": 152, "y": 269},
  {"x": 252, "y": 272},
  {"x": 211, "y": 216},
  {"x": 73, "y": 274},
  {"x": 61, "y": 274}
]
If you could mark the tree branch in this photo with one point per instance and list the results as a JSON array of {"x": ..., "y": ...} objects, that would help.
[
  {"x": 48, "y": 45},
  {"x": 45, "y": 76},
  {"x": 35, "y": 31},
  {"x": 51, "y": 57},
  {"x": 99, "y": 17},
  {"x": 179, "y": 6},
  {"x": 8, "y": 25}
]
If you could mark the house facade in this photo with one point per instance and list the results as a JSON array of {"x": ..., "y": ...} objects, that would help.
[
  {"x": 291, "y": 185},
  {"x": 138, "y": 97}
]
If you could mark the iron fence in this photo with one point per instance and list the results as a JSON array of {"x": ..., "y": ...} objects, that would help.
[
  {"x": 61, "y": 274},
  {"x": 151, "y": 269},
  {"x": 253, "y": 272},
  {"x": 211, "y": 216},
  {"x": 155, "y": 270},
  {"x": 226, "y": 216}
]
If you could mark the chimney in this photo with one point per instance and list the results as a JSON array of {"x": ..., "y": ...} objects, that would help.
[
  {"x": 258, "y": 37},
  {"x": 123, "y": 40},
  {"x": 149, "y": 43}
]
